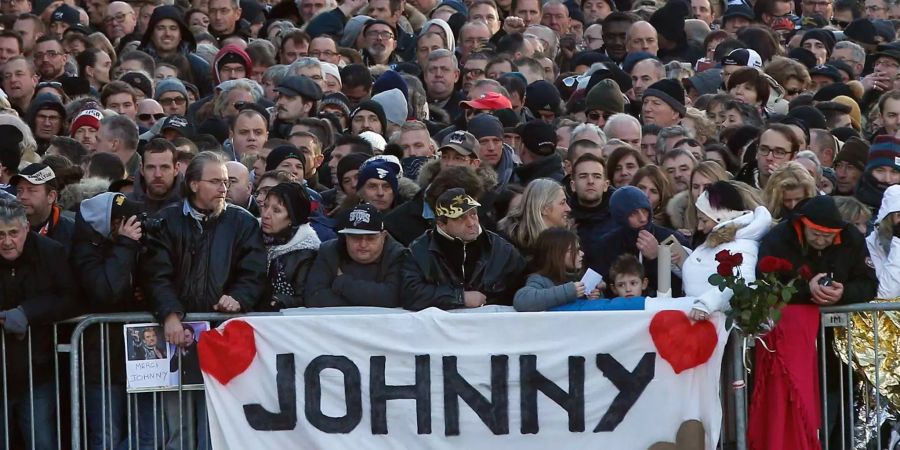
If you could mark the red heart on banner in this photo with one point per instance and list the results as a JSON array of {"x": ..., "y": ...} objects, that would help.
[
  {"x": 683, "y": 344},
  {"x": 227, "y": 354}
]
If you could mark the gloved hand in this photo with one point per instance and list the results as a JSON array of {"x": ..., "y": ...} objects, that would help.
[{"x": 15, "y": 322}]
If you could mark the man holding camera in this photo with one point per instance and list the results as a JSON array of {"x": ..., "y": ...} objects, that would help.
[{"x": 105, "y": 249}]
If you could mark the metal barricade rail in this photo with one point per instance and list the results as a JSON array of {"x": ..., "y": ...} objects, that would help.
[
  {"x": 859, "y": 346},
  {"x": 72, "y": 345},
  {"x": 77, "y": 396}
]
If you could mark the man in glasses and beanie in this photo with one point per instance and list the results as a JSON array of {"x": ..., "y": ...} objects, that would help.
[
  {"x": 458, "y": 264},
  {"x": 361, "y": 267}
]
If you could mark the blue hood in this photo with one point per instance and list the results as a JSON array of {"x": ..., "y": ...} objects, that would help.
[{"x": 624, "y": 201}]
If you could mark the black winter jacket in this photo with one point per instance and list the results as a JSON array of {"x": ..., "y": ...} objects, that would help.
[
  {"x": 39, "y": 281},
  {"x": 847, "y": 261},
  {"x": 376, "y": 284},
  {"x": 190, "y": 264},
  {"x": 104, "y": 269},
  {"x": 489, "y": 265},
  {"x": 296, "y": 256},
  {"x": 546, "y": 167}
]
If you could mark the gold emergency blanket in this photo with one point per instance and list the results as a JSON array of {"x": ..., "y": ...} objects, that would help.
[{"x": 862, "y": 331}]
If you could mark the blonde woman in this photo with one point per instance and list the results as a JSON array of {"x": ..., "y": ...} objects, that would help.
[
  {"x": 681, "y": 209},
  {"x": 788, "y": 185},
  {"x": 543, "y": 205},
  {"x": 884, "y": 244},
  {"x": 730, "y": 219},
  {"x": 696, "y": 121}
]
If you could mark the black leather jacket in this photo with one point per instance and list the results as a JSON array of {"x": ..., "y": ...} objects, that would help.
[
  {"x": 439, "y": 270},
  {"x": 190, "y": 264}
]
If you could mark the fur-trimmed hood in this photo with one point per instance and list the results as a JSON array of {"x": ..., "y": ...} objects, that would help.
[
  {"x": 304, "y": 239},
  {"x": 431, "y": 170},
  {"x": 73, "y": 194},
  {"x": 677, "y": 210}
]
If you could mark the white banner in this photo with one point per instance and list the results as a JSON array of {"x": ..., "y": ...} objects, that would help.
[{"x": 602, "y": 380}]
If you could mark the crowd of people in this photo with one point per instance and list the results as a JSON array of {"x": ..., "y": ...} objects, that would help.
[{"x": 244, "y": 155}]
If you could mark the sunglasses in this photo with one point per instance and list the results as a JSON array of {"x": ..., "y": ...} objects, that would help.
[
  {"x": 596, "y": 115},
  {"x": 147, "y": 117},
  {"x": 50, "y": 84}
]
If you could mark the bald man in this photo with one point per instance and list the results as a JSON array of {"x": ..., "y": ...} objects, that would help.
[
  {"x": 120, "y": 20},
  {"x": 239, "y": 191},
  {"x": 642, "y": 37},
  {"x": 149, "y": 112}
]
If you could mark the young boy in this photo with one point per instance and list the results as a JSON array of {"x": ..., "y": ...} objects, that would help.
[{"x": 627, "y": 276}]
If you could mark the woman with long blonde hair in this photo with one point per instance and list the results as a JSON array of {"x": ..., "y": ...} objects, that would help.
[
  {"x": 787, "y": 187},
  {"x": 681, "y": 209},
  {"x": 543, "y": 205}
]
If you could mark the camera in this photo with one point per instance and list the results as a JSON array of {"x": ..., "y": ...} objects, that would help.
[{"x": 150, "y": 225}]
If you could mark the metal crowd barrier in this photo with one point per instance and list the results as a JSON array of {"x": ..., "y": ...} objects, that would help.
[
  {"x": 860, "y": 376},
  {"x": 70, "y": 391},
  {"x": 131, "y": 436}
]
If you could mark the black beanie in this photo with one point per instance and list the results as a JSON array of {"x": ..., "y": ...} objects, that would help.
[
  {"x": 822, "y": 211},
  {"x": 669, "y": 91},
  {"x": 824, "y": 36},
  {"x": 350, "y": 162},
  {"x": 295, "y": 200},
  {"x": 373, "y": 106},
  {"x": 281, "y": 153},
  {"x": 10, "y": 154},
  {"x": 669, "y": 21},
  {"x": 812, "y": 117},
  {"x": 830, "y": 91}
]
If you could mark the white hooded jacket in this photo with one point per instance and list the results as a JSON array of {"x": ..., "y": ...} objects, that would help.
[
  {"x": 887, "y": 264},
  {"x": 701, "y": 263}
]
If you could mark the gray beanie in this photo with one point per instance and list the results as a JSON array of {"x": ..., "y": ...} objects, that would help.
[
  {"x": 394, "y": 104},
  {"x": 170, "y": 85},
  {"x": 484, "y": 125},
  {"x": 352, "y": 29},
  {"x": 706, "y": 82}
]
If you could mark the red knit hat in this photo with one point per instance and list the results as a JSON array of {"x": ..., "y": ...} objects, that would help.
[{"x": 87, "y": 118}]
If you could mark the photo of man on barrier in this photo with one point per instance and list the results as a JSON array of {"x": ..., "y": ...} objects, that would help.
[{"x": 145, "y": 343}]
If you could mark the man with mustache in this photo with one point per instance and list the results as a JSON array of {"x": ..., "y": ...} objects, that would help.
[
  {"x": 298, "y": 96},
  {"x": 158, "y": 183},
  {"x": 202, "y": 239},
  {"x": 380, "y": 43}
]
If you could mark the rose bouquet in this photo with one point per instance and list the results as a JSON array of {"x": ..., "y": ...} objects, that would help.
[{"x": 755, "y": 306}]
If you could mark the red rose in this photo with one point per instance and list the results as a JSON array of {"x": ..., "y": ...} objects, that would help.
[
  {"x": 771, "y": 264},
  {"x": 725, "y": 270},
  {"x": 805, "y": 272},
  {"x": 725, "y": 257}
]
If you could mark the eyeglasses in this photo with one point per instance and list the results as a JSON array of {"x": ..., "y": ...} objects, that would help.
[
  {"x": 596, "y": 115},
  {"x": 48, "y": 84},
  {"x": 777, "y": 152},
  {"x": 573, "y": 80},
  {"x": 50, "y": 54},
  {"x": 172, "y": 100},
  {"x": 263, "y": 191},
  {"x": 874, "y": 8},
  {"x": 476, "y": 73},
  {"x": 116, "y": 18},
  {"x": 217, "y": 182},
  {"x": 148, "y": 117},
  {"x": 326, "y": 54},
  {"x": 386, "y": 35},
  {"x": 840, "y": 23}
]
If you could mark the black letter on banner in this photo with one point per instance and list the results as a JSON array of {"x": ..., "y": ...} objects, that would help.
[
  {"x": 533, "y": 381},
  {"x": 380, "y": 393},
  {"x": 352, "y": 394},
  {"x": 285, "y": 383},
  {"x": 494, "y": 413},
  {"x": 630, "y": 384}
]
